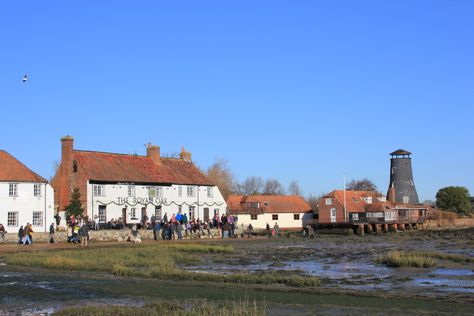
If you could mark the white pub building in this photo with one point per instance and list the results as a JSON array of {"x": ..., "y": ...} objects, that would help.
[
  {"x": 114, "y": 186},
  {"x": 25, "y": 197}
]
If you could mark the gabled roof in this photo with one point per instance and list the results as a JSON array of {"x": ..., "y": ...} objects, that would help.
[
  {"x": 11, "y": 169},
  {"x": 355, "y": 200},
  {"x": 100, "y": 166},
  {"x": 269, "y": 203}
]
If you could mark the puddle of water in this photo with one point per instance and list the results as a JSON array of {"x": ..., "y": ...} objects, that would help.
[
  {"x": 453, "y": 272},
  {"x": 446, "y": 285}
]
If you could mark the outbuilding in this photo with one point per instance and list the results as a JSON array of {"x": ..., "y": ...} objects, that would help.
[{"x": 290, "y": 212}]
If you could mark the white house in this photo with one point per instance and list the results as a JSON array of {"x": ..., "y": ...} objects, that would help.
[
  {"x": 125, "y": 186},
  {"x": 25, "y": 197},
  {"x": 290, "y": 211}
]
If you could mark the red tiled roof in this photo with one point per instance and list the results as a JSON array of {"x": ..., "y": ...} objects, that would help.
[
  {"x": 269, "y": 203},
  {"x": 355, "y": 202},
  {"x": 100, "y": 166},
  {"x": 11, "y": 169}
]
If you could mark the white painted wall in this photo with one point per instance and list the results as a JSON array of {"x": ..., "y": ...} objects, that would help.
[
  {"x": 25, "y": 203},
  {"x": 285, "y": 220},
  {"x": 169, "y": 203}
]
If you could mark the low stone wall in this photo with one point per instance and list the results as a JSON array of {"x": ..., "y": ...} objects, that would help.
[{"x": 105, "y": 235}]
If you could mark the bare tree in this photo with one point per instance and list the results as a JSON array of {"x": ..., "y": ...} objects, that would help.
[
  {"x": 294, "y": 188},
  {"x": 174, "y": 154},
  {"x": 313, "y": 201},
  {"x": 273, "y": 187},
  {"x": 251, "y": 186},
  {"x": 361, "y": 185},
  {"x": 221, "y": 175}
]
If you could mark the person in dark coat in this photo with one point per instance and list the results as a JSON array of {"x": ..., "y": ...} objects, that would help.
[
  {"x": 21, "y": 233},
  {"x": 51, "y": 233},
  {"x": 250, "y": 230}
]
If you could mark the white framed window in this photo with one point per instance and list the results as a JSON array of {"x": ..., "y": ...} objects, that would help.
[
  {"x": 210, "y": 192},
  {"x": 190, "y": 190},
  {"x": 192, "y": 211},
  {"x": 37, "y": 219},
  {"x": 180, "y": 191},
  {"x": 368, "y": 199},
  {"x": 253, "y": 217},
  {"x": 131, "y": 191},
  {"x": 406, "y": 199},
  {"x": 13, "y": 189},
  {"x": 296, "y": 217},
  {"x": 159, "y": 192},
  {"x": 99, "y": 189},
  {"x": 102, "y": 214},
  {"x": 275, "y": 217},
  {"x": 328, "y": 201},
  {"x": 12, "y": 219},
  {"x": 133, "y": 212},
  {"x": 355, "y": 216},
  {"x": 180, "y": 208},
  {"x": 37, "y": 189}
]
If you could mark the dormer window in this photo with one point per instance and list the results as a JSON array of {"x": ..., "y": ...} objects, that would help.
[
  {"x": 368, "y": 200},
  {"x": 328, "y": 201}
]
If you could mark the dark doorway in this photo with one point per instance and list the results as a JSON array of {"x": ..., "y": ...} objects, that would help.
[
  {"x": 124, "y": 216},
  {"x": 206, "y": 213}
]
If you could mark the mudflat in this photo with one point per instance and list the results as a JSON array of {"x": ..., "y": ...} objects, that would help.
[{"x": 349, "y": 279}]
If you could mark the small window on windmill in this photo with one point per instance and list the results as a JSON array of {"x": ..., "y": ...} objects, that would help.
[
  {"x": 74, "y": 166},
  {"x": 406, "y": 199},
  {"x": 266, "y": 203}
]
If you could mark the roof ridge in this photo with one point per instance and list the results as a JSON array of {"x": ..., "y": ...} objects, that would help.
[
  {"x": 26, "y": 167},
  {"x": 109, "y": 153}
]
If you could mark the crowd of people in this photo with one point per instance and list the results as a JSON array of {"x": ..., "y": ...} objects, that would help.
[
  {"x": 166, "y": 228},
  {"x": 178, "y": 226}
]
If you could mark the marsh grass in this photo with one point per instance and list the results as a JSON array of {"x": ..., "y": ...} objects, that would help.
[
  {"x": 174, "y": 308},
  {"x": 419, "y": 259},
  {"x": 155, "y": 261}
]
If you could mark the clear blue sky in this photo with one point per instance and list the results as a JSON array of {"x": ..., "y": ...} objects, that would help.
[{"x": 305, "y": 90}]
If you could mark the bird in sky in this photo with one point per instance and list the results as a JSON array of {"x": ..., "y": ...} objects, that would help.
[{"x": 25, "y": 78}]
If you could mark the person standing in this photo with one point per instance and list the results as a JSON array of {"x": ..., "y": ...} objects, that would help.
[
  {"x": 276, "y": 228},
  {"x": 180, "y": 230},
  {"x": 250, "y": 230},
  {"x": 84, "y": 233},
  {"x": 26, "y": 235},
  {"x": 96, "y": 222},
  {"x": 21, "y": 234},
  {"x": 51, "y": 233},
  {"x": 156, "y": 230},
  {"x": 2, "y": 232},
  {"x": 269, "y": 233}
]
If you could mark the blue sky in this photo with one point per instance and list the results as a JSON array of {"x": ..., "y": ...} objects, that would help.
[{"x": 305, "y": 90}]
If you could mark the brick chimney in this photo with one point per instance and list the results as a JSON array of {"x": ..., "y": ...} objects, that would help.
[
  {"x": 67, "y": 157},
  {"x": 153, "y": 152},
  {"x": 184, "y": 155}
]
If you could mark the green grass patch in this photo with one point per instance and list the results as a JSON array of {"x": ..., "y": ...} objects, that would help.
[
  {"x": 155, "y": 261},
  {"x": 406, "y": 259},
  {"x": 419, "y": 259},
  {"x": 173, "y": 308}
]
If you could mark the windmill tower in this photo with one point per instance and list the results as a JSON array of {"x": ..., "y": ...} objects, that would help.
[{"x": 401, "y": 188}]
